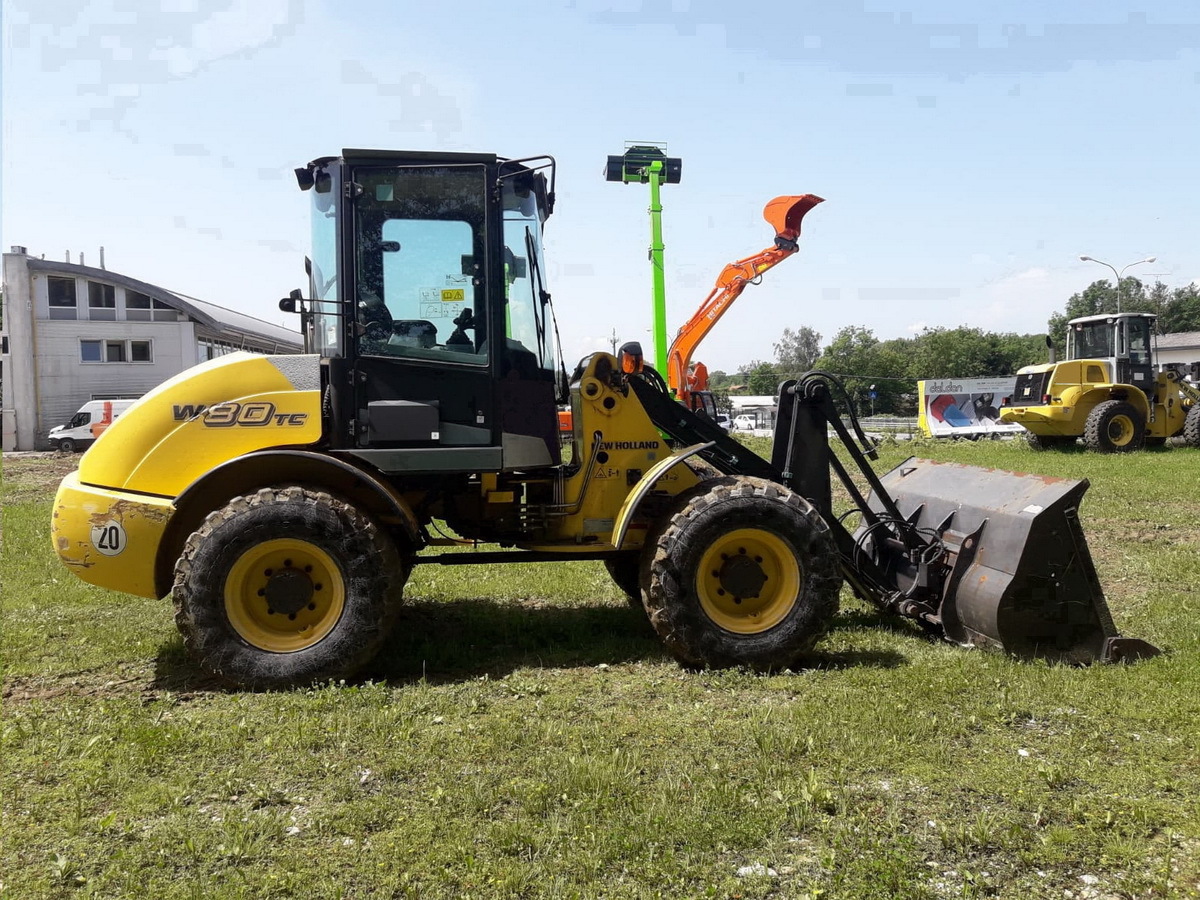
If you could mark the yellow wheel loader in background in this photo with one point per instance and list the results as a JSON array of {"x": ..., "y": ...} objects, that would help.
[
  {"x": 282, "y": 501},
  {"x": 1108, "y": 390}
]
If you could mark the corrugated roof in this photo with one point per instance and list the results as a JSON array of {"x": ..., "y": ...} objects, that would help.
[
  {"x": 237, "y": 323},
  {"x": 1180, "y": 340},
  {"x": 230, "y": 324}
]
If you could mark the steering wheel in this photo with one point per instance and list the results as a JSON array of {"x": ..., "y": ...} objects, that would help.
[{"x": 374, "y": 317}]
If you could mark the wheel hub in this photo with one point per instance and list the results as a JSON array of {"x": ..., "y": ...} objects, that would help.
[
  {"x": 288, "y": 591},
  {"x": 284, "y": 595},
  {"x": 748, "y": 580},
  {"x": 742, "y": 576},
  {"x": 1120, "y": 430}
]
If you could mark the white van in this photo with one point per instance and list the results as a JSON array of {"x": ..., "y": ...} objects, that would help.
[{"x": 87, "y": 424}]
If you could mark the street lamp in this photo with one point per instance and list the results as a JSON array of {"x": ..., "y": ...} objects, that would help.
[{"x": 1148, "y": 259}]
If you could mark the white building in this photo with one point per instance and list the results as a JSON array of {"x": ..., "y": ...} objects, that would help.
[
  {"x": 74, "y": 333},
  {"x": 1182, "y": 347}
]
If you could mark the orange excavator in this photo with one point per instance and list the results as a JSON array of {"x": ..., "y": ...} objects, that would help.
[{"x": 689, "y": 380}]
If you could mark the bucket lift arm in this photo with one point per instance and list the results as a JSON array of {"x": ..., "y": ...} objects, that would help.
[
  {"x": 784, "y": 215},
  {"x": 977, "y": 556}
]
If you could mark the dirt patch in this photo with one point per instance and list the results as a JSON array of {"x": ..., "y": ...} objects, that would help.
[
  {"x": 136, "y": 679},
  {"x": 35, "y": 475}
]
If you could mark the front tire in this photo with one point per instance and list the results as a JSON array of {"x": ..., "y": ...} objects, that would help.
[
  {"x": 1115, "y": 426},
  {"x": 744, "y": 574},
  {"x": 1191, "y": 427},
  {"x": 66, "y": 445},
  {"x": 286, "y": 588}
]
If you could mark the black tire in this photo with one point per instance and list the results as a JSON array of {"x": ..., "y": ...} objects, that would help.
[
  {"x": 624, "y": 571},
  {"x": 1115, "y": 426},
  {"x": 712, "y": 569},
  {"x": 66, "y": 445},
  {"x": 1047, "y": 441},
  {"x": 1191, "y": 427},
  {"x": 336, "y": 579}
]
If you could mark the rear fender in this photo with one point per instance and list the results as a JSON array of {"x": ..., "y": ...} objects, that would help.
[
  {"x": 1102, "y": 393},
  {"x": 250, "y": 473}
]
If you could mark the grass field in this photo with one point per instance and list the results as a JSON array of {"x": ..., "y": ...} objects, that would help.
[{"x": 523, "y": 735}]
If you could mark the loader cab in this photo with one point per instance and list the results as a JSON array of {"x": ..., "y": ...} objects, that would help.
[
  {"x": 430, "y": 311},
  {"x": 1122, "y": 340}
]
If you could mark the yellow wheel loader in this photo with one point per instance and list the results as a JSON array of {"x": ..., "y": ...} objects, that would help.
[
  {"x": 1108, "y": 390},
  {"x": 282, "y": 501}
]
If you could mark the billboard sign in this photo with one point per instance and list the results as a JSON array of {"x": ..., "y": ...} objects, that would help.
[{"x": 964, "y": 407}]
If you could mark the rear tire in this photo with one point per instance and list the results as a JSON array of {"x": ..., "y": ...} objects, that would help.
[
  {"x": 286, "y": 588},
  {"x": 744, "y": 574},
  {"x": 1191, "y": 427},
  {"x": 1115, "y": 426},
  {"x": 1047, "y": 441},
  {"x": 624, "y": 572}
]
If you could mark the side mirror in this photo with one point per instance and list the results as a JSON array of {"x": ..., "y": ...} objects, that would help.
[{"x": 291, "y": 302}]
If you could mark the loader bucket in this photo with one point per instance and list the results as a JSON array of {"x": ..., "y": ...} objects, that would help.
[{"x": 1020, "y": 575}]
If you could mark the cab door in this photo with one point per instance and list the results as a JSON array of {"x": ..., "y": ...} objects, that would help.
[
  {"x": 1134, "y": 359},
  {"x": 420, "y": 334}
]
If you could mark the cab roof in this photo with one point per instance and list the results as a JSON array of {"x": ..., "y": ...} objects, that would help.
[{"x": 1109, "y": 317}]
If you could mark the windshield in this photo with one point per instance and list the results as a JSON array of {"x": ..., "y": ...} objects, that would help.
[
  {"x": 528, "y": 312},
  {"x": 326, "y": 337},
  {"x": 1090, "y": 340}
]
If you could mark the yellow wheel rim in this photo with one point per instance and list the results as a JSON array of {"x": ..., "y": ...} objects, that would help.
[
  {"x": 284, "y": 595},
  {"x": 1120, "y": 430},
  {"x": 748, "y": 581}
]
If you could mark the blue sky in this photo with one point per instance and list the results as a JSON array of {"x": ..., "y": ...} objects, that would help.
[{"x": 968, "y": 156}]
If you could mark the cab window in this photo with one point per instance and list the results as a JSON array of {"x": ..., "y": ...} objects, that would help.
[
  {"x": 527, "y": 312},
  {"x": 1139, "y": 342}
]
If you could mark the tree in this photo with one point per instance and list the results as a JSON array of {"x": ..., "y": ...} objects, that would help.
[
  {"x": 762, "y": 378},
  {"x": 1015, "y": 351},
  {"x": 971, "y": 353},
  {"x": 796, "y": 351},
  {"x": 718, "y": 380},
  {"x": 950, "y": 353},
  {"x": 1182, "y": 311},
  {"x": 857, "y": 356}
]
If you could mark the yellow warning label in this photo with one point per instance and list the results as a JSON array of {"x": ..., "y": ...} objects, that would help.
[{"x": 454, "y": 295}]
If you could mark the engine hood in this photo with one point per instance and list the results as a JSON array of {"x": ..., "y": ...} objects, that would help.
[{"x": 206, "y": 415}]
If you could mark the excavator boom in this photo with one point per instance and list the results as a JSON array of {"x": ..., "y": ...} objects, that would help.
[{"x": 784, "y": 214}]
